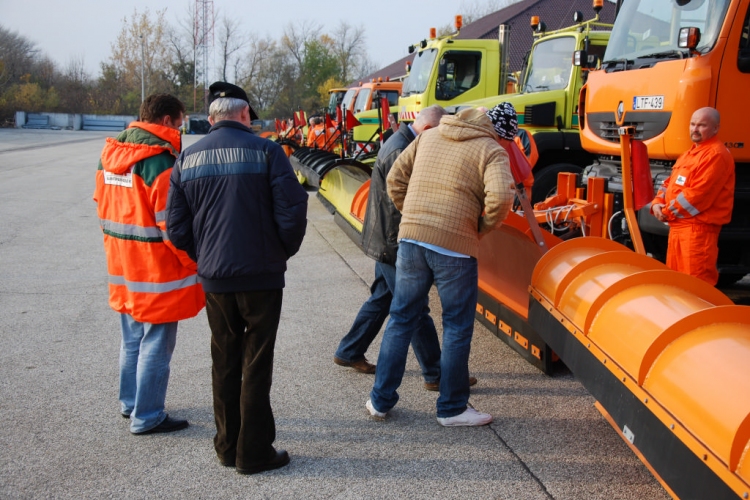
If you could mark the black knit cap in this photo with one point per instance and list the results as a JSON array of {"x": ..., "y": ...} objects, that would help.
[
  {"x": 504, "y": 120},
  {"x": 224, "y": 89}
]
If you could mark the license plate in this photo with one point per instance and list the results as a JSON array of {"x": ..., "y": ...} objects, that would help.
[{"x": 648, "y": 102}]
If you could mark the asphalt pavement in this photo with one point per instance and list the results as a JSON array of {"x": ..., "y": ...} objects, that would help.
[{"x": 62, "y": 436}]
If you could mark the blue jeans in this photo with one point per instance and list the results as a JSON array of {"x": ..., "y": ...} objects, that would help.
[
  {"x": 371, "y": 317},
  {"x": 145, "y": 353},
  {"x": 456, "y": 280}
]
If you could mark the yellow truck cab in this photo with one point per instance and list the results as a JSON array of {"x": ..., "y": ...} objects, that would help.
[
  {"x": 547, "y": 104},
  {"x": 447, "y": 71}
]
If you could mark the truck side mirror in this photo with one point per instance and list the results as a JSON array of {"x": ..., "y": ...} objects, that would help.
[
  {"x": 580, "y": 58},
  {"x": 689, "y": 38},
  {"x": 585, "y": 60}
]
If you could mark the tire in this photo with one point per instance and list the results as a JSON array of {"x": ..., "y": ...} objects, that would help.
[
  {"x": 545, "y": 182},
  {"x": 729, "y": 279}
]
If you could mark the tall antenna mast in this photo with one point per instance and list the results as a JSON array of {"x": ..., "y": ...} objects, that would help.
[{"x": 203, "y": 38}]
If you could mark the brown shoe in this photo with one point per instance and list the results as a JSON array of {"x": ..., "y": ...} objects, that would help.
[
  {"x": 361, "y": 365},
  {"x": 435, "y": 386}
]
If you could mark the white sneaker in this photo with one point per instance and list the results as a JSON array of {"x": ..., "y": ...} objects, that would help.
[
  {"x": 470, "y": 417},
  {"x": 375, "y": 414}
]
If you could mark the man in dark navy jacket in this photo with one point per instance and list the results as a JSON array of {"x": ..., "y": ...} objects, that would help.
[
  {"x": 379, "y": 234},
  {"x": 237, "y": 208}
]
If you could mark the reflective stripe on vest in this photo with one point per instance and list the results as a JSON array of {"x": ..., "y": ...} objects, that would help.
[
  {"x": 146, "y": 287},
  {"x": 132, "y": 232}
]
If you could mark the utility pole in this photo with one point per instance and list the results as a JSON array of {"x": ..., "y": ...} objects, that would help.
[{"x": 143, "y": 81}]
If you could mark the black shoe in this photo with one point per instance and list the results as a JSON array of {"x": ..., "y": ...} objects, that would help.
[
  {"x": 125, "y": 415},
  {"x": 280, "y": 459},
  {"x": 169, "y": 424}
]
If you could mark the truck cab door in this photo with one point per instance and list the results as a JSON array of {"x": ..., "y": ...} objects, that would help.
[
  {"x": 596, "y": 48},
  {"x": 732, "y": 97},
  {"x": 460, "y": 73}
]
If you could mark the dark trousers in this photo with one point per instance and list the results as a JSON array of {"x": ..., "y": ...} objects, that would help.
[{"x": 243, "y": 335}]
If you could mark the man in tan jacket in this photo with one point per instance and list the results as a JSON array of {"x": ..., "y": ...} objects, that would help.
[{"x": 452, "y": 185}]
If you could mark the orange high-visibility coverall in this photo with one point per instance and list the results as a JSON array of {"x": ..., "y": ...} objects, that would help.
[{"x": 698, "y": 198}]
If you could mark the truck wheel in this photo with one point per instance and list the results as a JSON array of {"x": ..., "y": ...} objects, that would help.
[
  {"x": 729, "y": 279},
  {"x": 545, "y": 182}
]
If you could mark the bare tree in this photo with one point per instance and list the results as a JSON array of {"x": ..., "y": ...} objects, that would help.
[
  {"x": 142, "y": 41},
  {"x": 474, "y": 10},
  {"x": 265, "y": 72},
  {"x": 17, "y": 55},
  {"x": 75, "y": 71},
  {"x": 296, "y": 38},
  {"x": 182, "y": 40},
  {"x": 349, "y": 49},
  {"x": 231, "y": 41},
  {"x": 45, "y": 71},
  {"x": 75, "y": 87},
  {"x": 365, "y": 66}
]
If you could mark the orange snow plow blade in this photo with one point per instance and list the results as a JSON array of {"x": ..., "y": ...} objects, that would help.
[
  {"x": 507, "y": 257},
  {"x": 665, "y": 354}
]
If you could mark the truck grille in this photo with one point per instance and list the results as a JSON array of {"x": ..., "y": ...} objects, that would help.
[{"x": 647, "y": 124}]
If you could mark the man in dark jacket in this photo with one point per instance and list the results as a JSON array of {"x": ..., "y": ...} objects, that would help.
[
  {"x": 237, "y": 208},
  {"x": 379, "y": 234}
]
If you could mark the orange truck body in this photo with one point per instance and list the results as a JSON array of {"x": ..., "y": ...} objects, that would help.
[{"x": 648, "y": 82}]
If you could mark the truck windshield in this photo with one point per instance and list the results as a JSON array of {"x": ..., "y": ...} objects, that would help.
[
  {"x": 362, "y": 98},
  {"x": 392, "y": 96},
  {"x": 419, "y": 76},
  {"x": 347, "y": 101},
  {"x": 334, "y": 100},
  {"x": 650, "y": 28},
  {"x": 550, "y": 65}
]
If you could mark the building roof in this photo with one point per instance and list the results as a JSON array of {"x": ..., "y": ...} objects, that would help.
[{"x": 556, "y": 14}]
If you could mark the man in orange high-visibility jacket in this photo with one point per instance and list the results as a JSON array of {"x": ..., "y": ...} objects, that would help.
[
  {"x": 318, "y": 136},
  {"x": 314, "y": 129},
  {"x": 697, "y": 199},
  {"x": 152, "y": 284}
]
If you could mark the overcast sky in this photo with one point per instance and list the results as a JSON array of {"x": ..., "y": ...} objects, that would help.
[{"x": 67, "y": 29}]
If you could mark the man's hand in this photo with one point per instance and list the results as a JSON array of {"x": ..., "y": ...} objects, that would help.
[{"x": 656, "y": 211}]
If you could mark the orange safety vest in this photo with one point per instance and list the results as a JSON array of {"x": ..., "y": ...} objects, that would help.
[
  {"x": 327, "y": 138},
  {"x": 312, "y": 134},
  {"x": 149, "y": 278}
]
